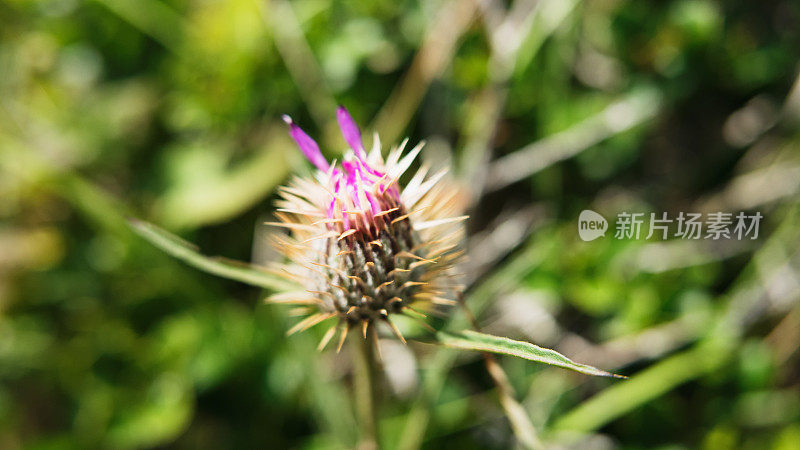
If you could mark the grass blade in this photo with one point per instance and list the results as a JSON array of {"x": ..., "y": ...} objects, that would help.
[
  {"x": 186, "y": 252},
  {"x": 473, "y": 340}
]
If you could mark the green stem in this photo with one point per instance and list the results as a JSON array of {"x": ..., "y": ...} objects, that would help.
[{"x": 364, "y": 379}]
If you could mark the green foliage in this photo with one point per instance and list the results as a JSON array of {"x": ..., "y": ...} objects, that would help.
[
  {"x": 473, "y": 340},
  {"x": 218, "y": 266},
  {"x": 170, "y": 111}
]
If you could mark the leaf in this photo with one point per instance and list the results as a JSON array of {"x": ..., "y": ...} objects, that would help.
[
  {"x": 473, "y": 340},
  {"x": 156, "y": 418},
  {"x": 188, "y": 253}
]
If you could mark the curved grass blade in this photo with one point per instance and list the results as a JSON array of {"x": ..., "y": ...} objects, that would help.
[
  {"x": 473, "y": 340},
  {"x": 188, "y": 253}
]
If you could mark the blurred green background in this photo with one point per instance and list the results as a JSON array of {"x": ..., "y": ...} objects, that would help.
[{"x": 170, "y": 111}]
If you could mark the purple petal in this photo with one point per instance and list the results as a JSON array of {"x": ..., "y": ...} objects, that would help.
[
  {"x": 307, "y": 145},
  {"x": 350, "y": 131}
]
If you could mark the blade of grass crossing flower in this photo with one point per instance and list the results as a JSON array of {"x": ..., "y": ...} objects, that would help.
[
  {"x": 473, "y": 340},
  {"x": 518, "y": 418},
  {"x": 187, "y": 253},
  {"x": 417, "y": 422}
]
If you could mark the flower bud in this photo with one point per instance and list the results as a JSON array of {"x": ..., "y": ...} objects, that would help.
[{"x": 363, "y": 248}]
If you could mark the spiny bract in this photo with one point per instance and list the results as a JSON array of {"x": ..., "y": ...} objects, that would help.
[{"x": 362, "y": 247}]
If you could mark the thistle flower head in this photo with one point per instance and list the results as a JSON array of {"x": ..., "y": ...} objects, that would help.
[{"x": 362, "y": 247}]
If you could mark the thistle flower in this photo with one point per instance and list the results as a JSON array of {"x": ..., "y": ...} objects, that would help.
[{"x": 362, "y": 247}]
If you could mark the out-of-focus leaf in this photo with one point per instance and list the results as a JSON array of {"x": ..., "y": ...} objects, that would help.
[
  {"x": 209, "y": 192},
  {"x": 153, "y": 18},
  {"x": 473, "y": 340},
  {"x": 188, "y": 253},
  {"x": 164, "y": 411}
]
